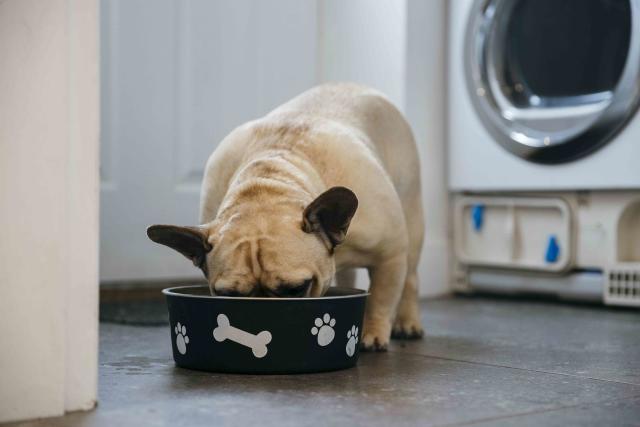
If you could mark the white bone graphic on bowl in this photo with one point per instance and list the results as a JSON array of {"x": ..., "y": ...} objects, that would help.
[{"x": 257, "y": 343}]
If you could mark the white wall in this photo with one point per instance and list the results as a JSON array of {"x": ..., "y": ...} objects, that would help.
[
  {"x": 425, "y": 106},
  {"x": 364, "y": 41},
  {"x": 398, "y": 48},
  {"x": 48, "y": 207}
]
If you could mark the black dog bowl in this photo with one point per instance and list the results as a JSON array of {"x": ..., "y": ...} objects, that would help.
[{"x": 265, "y": 335}]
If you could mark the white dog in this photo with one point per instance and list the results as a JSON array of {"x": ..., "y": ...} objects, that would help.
[{"x": 328, "y": 182}]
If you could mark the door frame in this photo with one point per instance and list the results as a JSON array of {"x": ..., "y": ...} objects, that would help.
[{"x": 49, "y": 207}]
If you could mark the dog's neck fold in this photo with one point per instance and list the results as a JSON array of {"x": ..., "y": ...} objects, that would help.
[{"x": 276, "y": 173}]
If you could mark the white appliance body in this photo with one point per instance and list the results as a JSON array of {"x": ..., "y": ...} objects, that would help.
[{"x": 478, "y": 163}]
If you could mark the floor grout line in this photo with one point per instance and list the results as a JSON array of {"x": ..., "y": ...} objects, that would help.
[
  {"x": 539, "y": 411},
  {"x": 512, "y": 367}
]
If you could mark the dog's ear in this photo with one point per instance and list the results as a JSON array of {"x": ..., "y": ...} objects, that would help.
[
  {"x": 330, "y": 214},
  {"x": 189, "y": 241}
]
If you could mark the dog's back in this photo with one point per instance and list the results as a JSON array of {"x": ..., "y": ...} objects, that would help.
[{"x": 366, "y": 110}]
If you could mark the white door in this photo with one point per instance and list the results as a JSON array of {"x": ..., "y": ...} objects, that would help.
[{"x": 177, "y": 76}]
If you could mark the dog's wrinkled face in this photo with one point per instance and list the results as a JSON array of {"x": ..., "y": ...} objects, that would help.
[
  {"x": 248, "y": 260},
  {"x": 276, "y": 255}
]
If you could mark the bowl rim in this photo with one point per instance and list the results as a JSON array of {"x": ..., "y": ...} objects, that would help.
[{"x": 357, "y": 293}]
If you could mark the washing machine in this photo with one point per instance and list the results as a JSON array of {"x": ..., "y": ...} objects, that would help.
[{"x": 544, "y": 146}]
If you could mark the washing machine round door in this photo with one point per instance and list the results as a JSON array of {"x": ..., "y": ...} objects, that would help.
[{"x": 553, "y": 80}]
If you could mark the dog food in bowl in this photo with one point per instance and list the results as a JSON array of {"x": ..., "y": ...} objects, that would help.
[{"x": 265, "y": 335}]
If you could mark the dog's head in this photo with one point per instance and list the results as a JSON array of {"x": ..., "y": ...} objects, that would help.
[{"x": 267, "y": 251}]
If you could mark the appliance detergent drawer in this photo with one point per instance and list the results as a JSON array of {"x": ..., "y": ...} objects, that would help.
[{"x": 513, "y": 232}]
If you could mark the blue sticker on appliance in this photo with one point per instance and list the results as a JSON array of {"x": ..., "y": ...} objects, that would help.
[
  {"x": 477, "y": 216},
  {"x": 553, "y": 250}
]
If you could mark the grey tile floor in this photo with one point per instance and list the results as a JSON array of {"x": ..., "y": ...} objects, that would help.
[{"x": 484, "y": 361}]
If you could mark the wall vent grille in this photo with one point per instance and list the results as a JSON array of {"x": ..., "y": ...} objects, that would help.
[{"x": 622, "y": 286}]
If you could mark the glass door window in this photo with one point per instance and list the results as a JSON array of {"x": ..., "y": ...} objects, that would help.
[{"x": 553, "y": 80}]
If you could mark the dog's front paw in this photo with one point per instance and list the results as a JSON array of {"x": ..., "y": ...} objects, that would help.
[
  {"x": 375, "y": 336},
  {"x": 407, "y": 329}
]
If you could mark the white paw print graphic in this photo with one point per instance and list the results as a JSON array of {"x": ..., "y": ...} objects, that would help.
[
  {"x": 181, "y": 338},
  {"x": 352, "y": 340},
  {"x": 324, "y": 329}
]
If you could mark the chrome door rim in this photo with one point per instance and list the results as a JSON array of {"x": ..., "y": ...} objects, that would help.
[{"x": 531, "y": 144}]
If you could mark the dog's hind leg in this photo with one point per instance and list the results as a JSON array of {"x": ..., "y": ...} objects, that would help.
[
  {"x": 407, "y": 323},
  {"x": 346, "y": 278}
]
